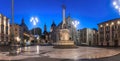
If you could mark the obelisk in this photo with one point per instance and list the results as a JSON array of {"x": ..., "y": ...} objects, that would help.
[{"x": 63, "y": 15}]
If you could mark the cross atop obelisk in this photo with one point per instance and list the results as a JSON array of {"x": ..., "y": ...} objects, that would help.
[{"x": 63, "y": 15}]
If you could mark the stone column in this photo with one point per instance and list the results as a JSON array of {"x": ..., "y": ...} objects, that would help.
[
  {"x": 104, "y": 36},
  {"x": 63, "y": 14},
  {"x": 110, "y": 35}
]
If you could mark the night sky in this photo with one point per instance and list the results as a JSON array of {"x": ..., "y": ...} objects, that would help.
[{"x": 88, "y": 12}]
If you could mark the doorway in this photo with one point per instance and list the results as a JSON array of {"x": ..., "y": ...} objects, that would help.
[{"x": 116, "y": 43}]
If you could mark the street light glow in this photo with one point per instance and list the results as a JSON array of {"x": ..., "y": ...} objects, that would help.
[
  {"x": 116, "y": 4},
  {"x": 75, "y": 23},
  {"x": 34, "y": 20}
]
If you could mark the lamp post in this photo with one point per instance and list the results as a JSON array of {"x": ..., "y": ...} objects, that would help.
[
  {"x": 34, "y": 20},
  {"x": 12, "y": 13},
  {"x": 75, "y": 24}
]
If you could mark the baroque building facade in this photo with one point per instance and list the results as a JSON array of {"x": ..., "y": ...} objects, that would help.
[
  {"x": 4, "y": 30},
  {"x": 18, "y": 32},
  {"x": 53, "y": 33},
  {"x": 46, "y": 35},
  {"x": 24, "y": 29},
  {"x": 109, "y": 33},
  {"x": 87, "y": 36}
]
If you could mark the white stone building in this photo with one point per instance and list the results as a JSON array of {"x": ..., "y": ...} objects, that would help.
[
  {"x": 4, "y": 30},
  {"x": 17, "y": 32},
  {"x": 87, "y": 36}
]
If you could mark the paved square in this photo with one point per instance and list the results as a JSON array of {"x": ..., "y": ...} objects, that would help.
[{"x": 50, "y": 52}]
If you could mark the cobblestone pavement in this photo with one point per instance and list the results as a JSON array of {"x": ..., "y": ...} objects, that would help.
[{"x": 48, "y": 53}]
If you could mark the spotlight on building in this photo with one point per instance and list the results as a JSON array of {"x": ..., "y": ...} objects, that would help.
[
  {"x": 18, "y": 39},
  {"x": 112, "y": 23},
  {"x": 118, "y": 22}
]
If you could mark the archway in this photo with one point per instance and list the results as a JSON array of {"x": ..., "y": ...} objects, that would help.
[{"x": 116, "y": 43}]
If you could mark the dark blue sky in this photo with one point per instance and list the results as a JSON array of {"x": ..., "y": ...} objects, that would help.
[{"x": 88, "y": 12}]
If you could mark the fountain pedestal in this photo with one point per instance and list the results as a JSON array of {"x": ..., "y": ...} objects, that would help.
[{"x": 64, "y": 41}]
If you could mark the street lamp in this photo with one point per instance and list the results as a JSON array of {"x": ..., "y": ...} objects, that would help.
[
  {"x": 12, "y": 14},
  {"x": 34, "y": 20},
  {"x": 116, "y": 4},
  {"x": 75, "y": 24}
]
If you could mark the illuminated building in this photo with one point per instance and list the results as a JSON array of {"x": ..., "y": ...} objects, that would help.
[
  {"x": 17, "y": 31},
  {"x": 4, "y": 30},
  {"x": 109, "y": 33}
]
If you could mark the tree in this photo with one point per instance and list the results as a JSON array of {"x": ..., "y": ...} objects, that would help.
[{"x": 36, "y": 31}]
